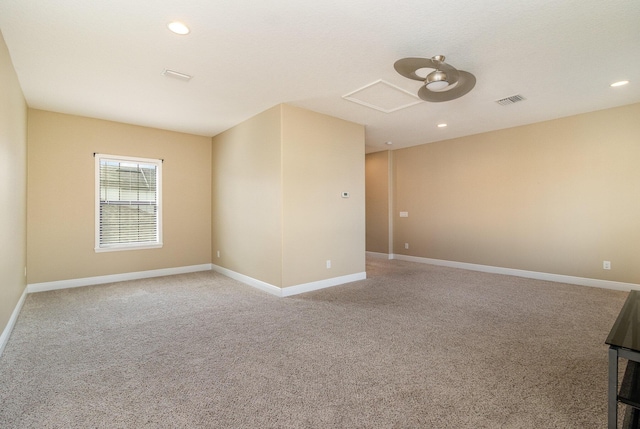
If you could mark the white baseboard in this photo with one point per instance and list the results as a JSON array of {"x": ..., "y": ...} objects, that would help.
[
  {"x": 6, "y": 333},
  {"x": 321, "y": 284},
  {"x": 379, "y": 255},
  {"x": 291, "y": 290},
  {"x": 559, "y": 278},
  {"x": 258, "y": 284},
  {"x": 112, "y": 278},
  {"x": 274, "y": 290}
]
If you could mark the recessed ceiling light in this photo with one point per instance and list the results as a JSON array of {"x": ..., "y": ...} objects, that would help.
[
  {"x": 388, "y": 143},
  {"x": 442, "y": 125},
  {"x": 620, "y": 83},
  {"x": 178, "y": 27}
]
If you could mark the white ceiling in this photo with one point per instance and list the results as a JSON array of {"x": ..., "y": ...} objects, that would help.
[{"x": 105, "y": 59}]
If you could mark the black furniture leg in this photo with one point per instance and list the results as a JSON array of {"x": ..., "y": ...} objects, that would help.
[{"x": 613, "y": 388}]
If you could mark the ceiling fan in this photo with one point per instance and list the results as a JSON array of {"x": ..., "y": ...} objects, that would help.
[{"x": 444, "y": 83}]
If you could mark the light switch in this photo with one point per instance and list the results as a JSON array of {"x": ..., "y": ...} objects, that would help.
[{"x": 404, "y": 214}]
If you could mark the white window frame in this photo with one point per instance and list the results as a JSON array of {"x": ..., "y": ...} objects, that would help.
[{"x": 128, "y": 246}]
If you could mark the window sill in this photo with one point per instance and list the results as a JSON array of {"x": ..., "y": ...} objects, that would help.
[{"x": 132, "y": 247}]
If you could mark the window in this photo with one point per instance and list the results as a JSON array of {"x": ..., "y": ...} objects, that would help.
[{"x": 128, "y": 203}]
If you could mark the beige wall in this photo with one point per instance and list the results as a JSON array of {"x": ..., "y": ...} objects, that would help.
[
  {"x": 378, "y": 187},
  {"x": 13, "y": 187},
  {"x": 61, "y": 222},
  {"x": 277, "y": 211},
  {"x": 247, "y": 198},
  {"x": 556, "y": 197},
  {"x": 322, "y": 157}
]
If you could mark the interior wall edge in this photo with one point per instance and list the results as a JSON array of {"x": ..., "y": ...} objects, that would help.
[
  {"x": 113, "y": 278},
  {"x": 323, "y": 284},
  {"x": 290, "y": 290},
  {"x": 536, "y": 275},
  {"x": 390, "y": 199},
  {"x": 250, "y": 281},
  {"x": 6, "y": 333},
  {"x": 378, "y": 255}
]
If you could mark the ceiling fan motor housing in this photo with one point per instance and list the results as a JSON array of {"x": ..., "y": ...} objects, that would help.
[{"x": 437, "y": 80}]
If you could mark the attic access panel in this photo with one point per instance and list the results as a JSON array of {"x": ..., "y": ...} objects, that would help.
[{"x": 383, "y": 96}]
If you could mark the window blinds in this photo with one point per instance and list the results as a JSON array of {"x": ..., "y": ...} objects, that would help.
[{"x": 129, "y": 207}]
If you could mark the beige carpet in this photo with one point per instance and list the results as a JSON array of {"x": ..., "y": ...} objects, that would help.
[{"x": 414, "y": 346}]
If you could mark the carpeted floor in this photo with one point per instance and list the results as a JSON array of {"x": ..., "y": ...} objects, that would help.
[{"x": 413, "y": 346}]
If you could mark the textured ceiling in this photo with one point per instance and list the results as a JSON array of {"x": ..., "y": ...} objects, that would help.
[{"x": 105, "y": 59}]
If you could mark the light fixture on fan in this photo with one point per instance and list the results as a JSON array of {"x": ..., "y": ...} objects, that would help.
[
  {"x": 443, "y": 84},
  {"x": 437, "y": 80}
]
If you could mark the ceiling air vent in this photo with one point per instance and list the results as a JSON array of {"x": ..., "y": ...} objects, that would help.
[
  {"x": 510, "y": 100},
  {"x": 177, "y": 75}
]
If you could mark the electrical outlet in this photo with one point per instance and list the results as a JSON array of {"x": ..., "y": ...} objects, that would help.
[
  {"x": 406, "y": 245},
  {"x": 606, "y": 265},
  {"x": 328, "y": 263},
  {"x": 218, "y": 253}
]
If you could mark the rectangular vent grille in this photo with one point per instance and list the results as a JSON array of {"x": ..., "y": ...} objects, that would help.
[
  {"x": 172, "y": 73},
  {"x": 510, "y": 100}
]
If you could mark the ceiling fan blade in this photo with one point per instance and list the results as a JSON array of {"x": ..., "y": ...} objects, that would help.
[
  {"x": 407, "y": 67},
  {"x": 466, "y": 82}
]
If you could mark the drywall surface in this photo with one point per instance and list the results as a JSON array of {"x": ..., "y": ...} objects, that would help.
[
  {"x": 378, "y": 187},
  {"x": 278, "y": 214},
  {"x": 558, "y": 197},
  {"x": 61, "y": 196},
  {"x": 322, "y": 157},
  {"x": 247, "y": 198},
  {"x": 13, "y": 188}
]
